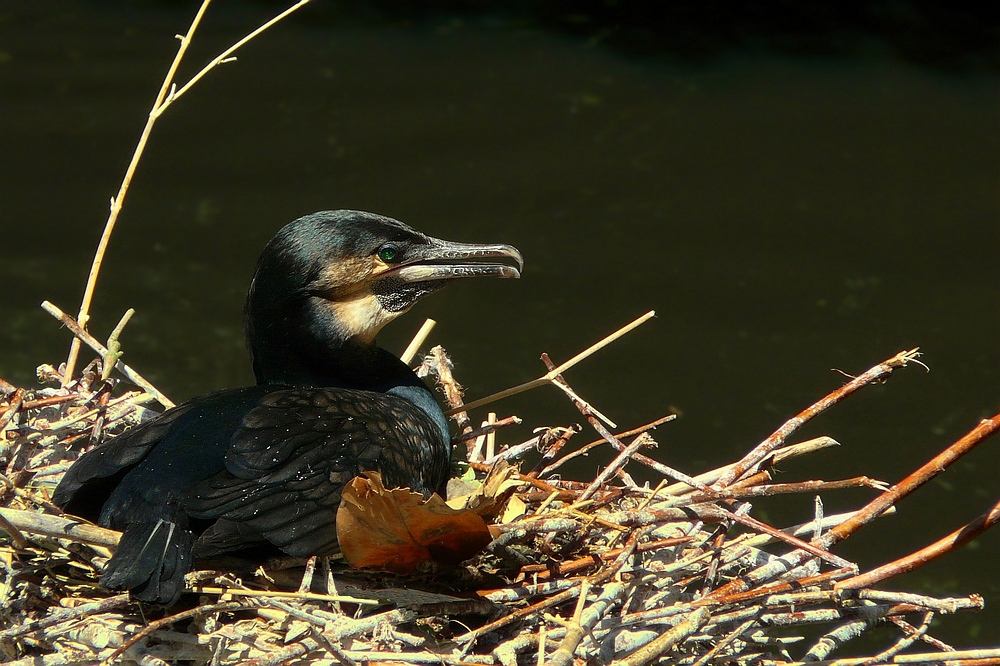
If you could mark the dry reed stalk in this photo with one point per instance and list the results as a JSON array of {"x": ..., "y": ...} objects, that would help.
[{"x": 168, "y": 94}]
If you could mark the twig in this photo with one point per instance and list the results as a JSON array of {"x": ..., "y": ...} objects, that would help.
[
  {"x": 543, "y": 572},
  {"x": 552, "y": 374},
  {"x": 583, "y": 622},
  {"x": 510, "y": 454},
  {"x": 94, "y": 344},
  {"x": 438, "y": 360},
  {"x": 956, "y": 658},
  {"x": 343, "y": 628},
  {"x": 15, "y": 534},
  {"x": 61, "y": 528},
  {"x": 114, "y": 353},
  {"x": 575, "y": 397},
  {"x": 39, "y": 403},
  {"x": 491, "y": 437},
  {"x": 928, "y": 471},
  {"x": 278, "y": 594},
  {"x": 14, "y": 404},
  {"x": 167, "y": 95},
  {"x": 947, "y": 605},
  {"x": 956, "y": 539},
  {"x": 305, "y": 586},
  {"x": 585, "y": 449},
  {"x": 780, "y": 455},
  {"x": 768, "y": 490},
  {"x": 643, "y": 440},
  {"x": 725, "y": 642},
  {"x": 103, "y": 398},
  {"x": 716, "y": 549},
  {"x": 486, "y": 429},
  {"x": 33, "y": 497},
  {"x": 130, "y": 400},
  {"x": 905, "y": 641},
  {"x": 908, "y": 628},
  {"x": 417, "y": 341},
  {"x": 600, "y": 577},
  {"x": 226, "y": 56},
  {"x": 611, "y": 439},
  {"x": 869, "y": 512},
  {"x": 549, "y": 451},
  {"x": 67, "y": 614},
  {"x": 877, "y": 373},
  {"x": 338, "y": 653},
  {"x": 153, "y": 627},
  {"x": 838, "y": 637},
  {"x": 649, "y": 653},
  {"x": 116, "y": 203},
  {"x": 775, "y": 588}
]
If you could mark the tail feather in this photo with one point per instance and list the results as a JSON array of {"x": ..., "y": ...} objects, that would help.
[{"x": 151, "y": 561}]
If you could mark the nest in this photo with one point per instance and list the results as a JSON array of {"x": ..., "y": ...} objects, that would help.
[{"x": 604, "y": 571}]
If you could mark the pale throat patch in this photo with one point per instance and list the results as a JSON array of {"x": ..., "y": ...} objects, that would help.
[
  {"x": 355, "y": 308},
  {"x": 361, "y": 317}
]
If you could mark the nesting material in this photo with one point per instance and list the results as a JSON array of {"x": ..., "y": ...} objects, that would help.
[{"x": 599, "y": 571}]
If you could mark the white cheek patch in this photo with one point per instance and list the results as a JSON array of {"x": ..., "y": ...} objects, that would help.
[{"x": 361, "y": 317}]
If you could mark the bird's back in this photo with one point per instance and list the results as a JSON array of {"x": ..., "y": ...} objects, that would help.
[{"x": 245, "y": 467}]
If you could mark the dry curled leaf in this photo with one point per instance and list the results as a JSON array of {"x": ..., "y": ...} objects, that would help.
[
  {"x": 397, "y": 530},
  {"x": 490, "y": 498}
]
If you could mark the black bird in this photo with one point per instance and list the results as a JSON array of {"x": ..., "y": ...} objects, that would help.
[{"x": 265, "y": 464}]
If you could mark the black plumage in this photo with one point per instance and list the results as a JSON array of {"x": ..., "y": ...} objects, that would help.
[{"x": 265, "y": 464}]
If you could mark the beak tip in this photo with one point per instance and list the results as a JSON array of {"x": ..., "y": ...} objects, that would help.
[{"x": 515, "y": 254}]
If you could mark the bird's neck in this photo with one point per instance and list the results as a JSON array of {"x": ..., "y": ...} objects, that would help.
[
  {"x": 344, "y": 365},
  {"x": 317, "y": 354},
  {"x": 316, "y": 358}
]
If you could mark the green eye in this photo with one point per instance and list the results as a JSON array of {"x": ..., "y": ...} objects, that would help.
[{"x": 388, "y": 253}]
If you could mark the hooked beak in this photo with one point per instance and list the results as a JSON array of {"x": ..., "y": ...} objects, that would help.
[{"x": 446, "y": 260}]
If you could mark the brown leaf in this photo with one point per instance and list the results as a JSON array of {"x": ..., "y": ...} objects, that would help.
[{"x": 397, "y": 530}]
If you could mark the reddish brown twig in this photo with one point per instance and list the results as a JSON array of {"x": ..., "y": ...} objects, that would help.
[
  {"x": 713, "y": 568},
  {"x": 103, "y": 397},
  {"x": 614, "y": 441},
  {"x": 819, "y": 552},
  {"x": 486, "y": 429},
  {"x": 781, "y": 435},
  {"x": 870, "y": 511},
  {"x": 553, "y": 449},
  {"x": 643, "y": 440},
  {"x": 39, "y": 403},
  {"x": 777, "y": 588},
  {"x": 437, "y": 360},
  {"x": 908, "y": 628},
  {"x": 956, "y": 539},
  {"x": 152, "y": 627},
  {"x": 13, "y": 405},
  {"x": 557, "y": 569},
  {"x": 583, "y": 450},
  {"x": 738, "y": 490},
  {"x": 928, "y": 471}
]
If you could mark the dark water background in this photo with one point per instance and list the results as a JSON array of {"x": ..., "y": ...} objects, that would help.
[{"x": 784, "y": 213}]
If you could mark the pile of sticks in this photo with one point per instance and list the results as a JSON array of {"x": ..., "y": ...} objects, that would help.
[{"x": 604, "y": 572}]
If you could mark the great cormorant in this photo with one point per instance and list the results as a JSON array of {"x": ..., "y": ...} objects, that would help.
[{"x": 245, "y": 467}]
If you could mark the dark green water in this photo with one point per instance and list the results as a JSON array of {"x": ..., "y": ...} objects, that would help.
[{"x": 784, "y": 216}]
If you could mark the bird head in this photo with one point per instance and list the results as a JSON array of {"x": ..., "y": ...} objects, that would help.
[{"x": 335, "y": 278}]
